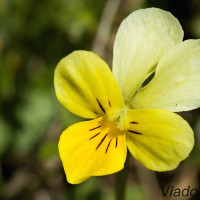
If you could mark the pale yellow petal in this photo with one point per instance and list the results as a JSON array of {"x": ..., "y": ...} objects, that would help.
[
  {"x": 90, "y": 149},
  {"x": 159, "y": 139},
  {"x": 85, "y": 85},
  {"x": 176, "y": 85},
  {"x": 142, "y": 39}
]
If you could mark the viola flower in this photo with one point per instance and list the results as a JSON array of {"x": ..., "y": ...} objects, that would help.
[{"x": 122, "y": 113}]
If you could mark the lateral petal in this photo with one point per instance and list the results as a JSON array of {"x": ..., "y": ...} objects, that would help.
[
  {"x": 158, "y": 138},
  {"x": 142, "y": 39},
  {"x": 85, "y": 85},
  {"x": 90, "y": 149},
  {"x": 176, "y": 85}
]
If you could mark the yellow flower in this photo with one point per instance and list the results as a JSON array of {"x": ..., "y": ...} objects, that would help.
[{"x": 122, "y": 114}]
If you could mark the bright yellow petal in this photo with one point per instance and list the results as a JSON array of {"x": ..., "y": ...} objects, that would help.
[
  {"x": 142, "y": 39},
  {"x": 176, "y": 85},
  {"x": 85, "y": 85},
  {"x": 159, "y": 139},
  {"x": 92, "y": 148}
]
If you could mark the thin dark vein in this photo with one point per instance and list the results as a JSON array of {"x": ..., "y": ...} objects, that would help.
[
  {"x": 133, "y": 122},
  {"x": 96, "y": 113},
  {"x": 135, "y": 132},
  {"x": 109, "y": 103},
  {"x": 116, "y": 142},
  {"x": 101, "y": 106},
  {"x": 95, "y": 128},
  {"x": 101, "y": 141},
  {"x": 94, "y": 136},
  {"x": 134, "y": 95},
  {"x": 108, "y": 146}
]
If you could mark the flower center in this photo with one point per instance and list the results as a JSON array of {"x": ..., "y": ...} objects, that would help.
[{"x": 115, "y": 123}]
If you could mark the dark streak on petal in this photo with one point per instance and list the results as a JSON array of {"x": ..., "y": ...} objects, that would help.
[
  {"x": 101, "y": 141},
  {"x": 133, "y": 122},
  {"x": 94, "y": 136},
  {"x": 109, "y": 103},
  {"x": 133, "y": 95},
  {"x": 116, "y": 142},
  {"x": 108, "y": 146},
  {"x": 135, "y": 132},
  {"x": 95, "y": 128},
  {"x": 101, "y": 106}
]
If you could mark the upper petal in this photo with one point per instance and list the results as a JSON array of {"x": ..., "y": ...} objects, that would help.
[
  {"x": 90, "y": 149},
  {"x": 142, "y": 39},
  {"x": 85, "y": 85},
  {"x": 176, "y": 85},
  {"x": 158, "y": 138}
]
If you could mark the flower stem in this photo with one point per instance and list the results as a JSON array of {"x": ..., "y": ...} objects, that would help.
[{"x": 121, "y": 181}]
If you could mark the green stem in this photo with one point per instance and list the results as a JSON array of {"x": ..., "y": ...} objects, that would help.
[{"x": 120, "y": 182}]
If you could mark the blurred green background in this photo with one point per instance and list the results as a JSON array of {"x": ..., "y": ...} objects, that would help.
[{"x": 34, "y": 36}]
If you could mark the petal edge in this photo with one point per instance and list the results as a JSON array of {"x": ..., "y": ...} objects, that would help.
[
  {"x": 176, "y": 84},
  {"x": 86, "y": 149},
  {"x": 165, "y": 138},
  {"x": 142, "y": 39},
  {"x": 85, "y": 85}
]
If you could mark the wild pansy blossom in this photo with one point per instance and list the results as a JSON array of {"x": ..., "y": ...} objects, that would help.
[{"x": 122, "y": 113}]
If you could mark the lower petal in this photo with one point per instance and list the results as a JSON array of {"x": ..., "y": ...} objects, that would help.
[
  {"x": 90, "y": 149},
  {"x": 159, "y": 139}
]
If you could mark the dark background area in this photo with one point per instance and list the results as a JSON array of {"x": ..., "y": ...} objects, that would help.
[{"x": 34, "y": 36}]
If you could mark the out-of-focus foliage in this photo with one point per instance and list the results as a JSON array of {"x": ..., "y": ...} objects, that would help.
[{"x": 34, "y": 36}]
